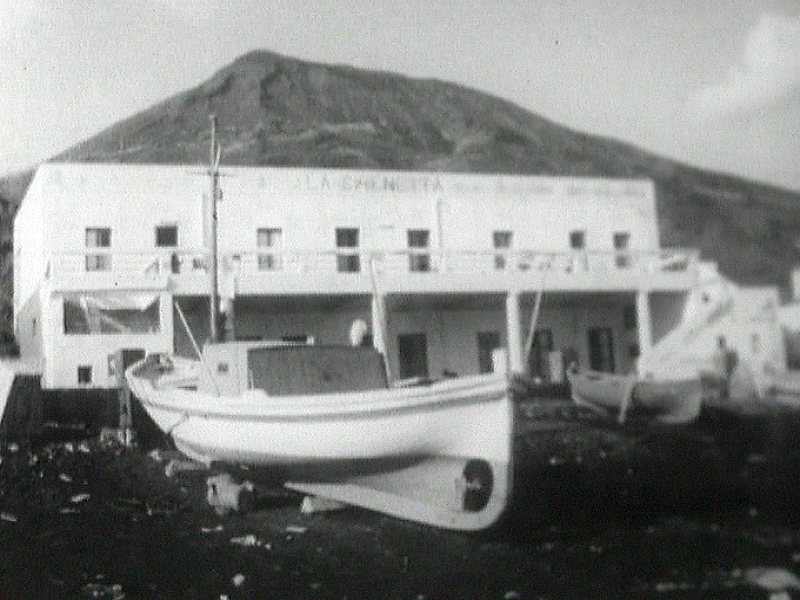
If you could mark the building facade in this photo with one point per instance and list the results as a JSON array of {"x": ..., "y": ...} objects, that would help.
[{"x": 448, "y": 271}]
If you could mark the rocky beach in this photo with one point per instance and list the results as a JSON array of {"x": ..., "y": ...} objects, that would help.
[{"x": 599, "y": 511}]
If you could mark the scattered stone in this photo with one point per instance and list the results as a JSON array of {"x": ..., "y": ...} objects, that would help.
[
  {"x": 296, "y": 529},
  {"x": 773, "y": 579},
  {"x": 225, "y": 495},
  {"x": 316, "y": 504},
  {"x": 102, "y": 591},
  {"x": 216, "y": 529},
  {"x": 238, "y": 580},
  {"x": 672, "y": 586},
  {"x": 6, "y": 516},
  {"x": 250, "y": 541},
  {"x": 178, "y": 466},
  {"x": 78, "y": 498}
]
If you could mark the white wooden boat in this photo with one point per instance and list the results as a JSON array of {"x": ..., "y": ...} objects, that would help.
[
  {"x": 665, "y": 400},
  {"x": 783, "y": 387},
  {"x": 327, "y": 420}
]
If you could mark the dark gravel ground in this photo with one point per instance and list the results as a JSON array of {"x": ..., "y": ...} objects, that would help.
[{"x": 599, "y": 511}]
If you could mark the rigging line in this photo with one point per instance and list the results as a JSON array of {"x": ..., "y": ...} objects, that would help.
[
  {"x": 196, "y": 347},
  {"x": 181, "y": 421},
  {"x": 535, "y": 318}
]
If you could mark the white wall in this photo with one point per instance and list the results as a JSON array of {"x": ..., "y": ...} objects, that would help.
[
  {"x": 65, "y": 352},
  {"x": 308, "y": 204},
  {"x": 31, "y": 229}
]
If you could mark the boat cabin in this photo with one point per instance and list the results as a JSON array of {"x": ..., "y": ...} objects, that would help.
[{"x": 282, "y": 369}]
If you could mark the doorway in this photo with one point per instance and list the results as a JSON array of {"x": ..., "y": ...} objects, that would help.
[
  {"x": 412, "y": 350},
  {"x": 488, "y": 342},
  {"x": 539, "y": 357},
  {"x": 601, "y": 349}
]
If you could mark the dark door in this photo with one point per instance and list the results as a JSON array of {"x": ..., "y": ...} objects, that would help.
[
  {"x": 488, "y": 342},
  {"x": 601, "y": 349},
  {"x": 538, "y": 359},
  {"x": 412, "y": 349}
]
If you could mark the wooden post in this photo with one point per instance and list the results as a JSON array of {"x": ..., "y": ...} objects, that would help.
[
  {"x": 644, "y": 326},
  {"x": 121, "y": 359},
  {"x": 514, "y": 332},
  {"x": 379, "y": 324}
]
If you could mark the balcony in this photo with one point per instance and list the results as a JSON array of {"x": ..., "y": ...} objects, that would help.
[{"x": 256, "y": 272}]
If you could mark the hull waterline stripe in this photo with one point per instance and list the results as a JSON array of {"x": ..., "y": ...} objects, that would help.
[{"x": 330, "y": 415}]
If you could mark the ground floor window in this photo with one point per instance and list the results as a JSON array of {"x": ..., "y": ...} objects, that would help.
[
  {"x": 111, "y": 314},
  {"x": 85, "y": 374}
]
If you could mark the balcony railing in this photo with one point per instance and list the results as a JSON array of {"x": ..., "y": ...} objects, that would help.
[{"x": 415, "y": 262}]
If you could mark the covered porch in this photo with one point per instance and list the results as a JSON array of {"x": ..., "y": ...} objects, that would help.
[{"x": 449, "y": 334}]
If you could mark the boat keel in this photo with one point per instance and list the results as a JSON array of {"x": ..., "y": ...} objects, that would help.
[{"x": 450, "y": 493}]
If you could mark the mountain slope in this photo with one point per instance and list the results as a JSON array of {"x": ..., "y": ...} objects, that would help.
[{"x": 275, "y": 110}]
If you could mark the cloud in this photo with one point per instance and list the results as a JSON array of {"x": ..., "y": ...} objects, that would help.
[
  {"x": 192, "y": 11},
  {"x": 768, "y": 74},
  {"x": 19, "y": 15}
]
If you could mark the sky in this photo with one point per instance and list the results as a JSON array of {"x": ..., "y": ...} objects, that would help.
[{"x": 712, "y": 83}]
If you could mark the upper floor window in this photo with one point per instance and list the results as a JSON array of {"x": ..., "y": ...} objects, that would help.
[
  {"x": 166, "y": 236},
  {"x": 271, "y": 238},
  {"x": 419, "y": 259},
  {"x": 98, "y": 237},
  {"x": 347, "y": 255},
  {"x": 577, "y": 239},
  {"x": 621, "y": 244},
  {"x": 577, "y": 242},
  {"x": 501, "y": 240}
]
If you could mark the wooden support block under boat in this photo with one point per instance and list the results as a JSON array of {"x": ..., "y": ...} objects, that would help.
[{"x": 317, "y": 504}]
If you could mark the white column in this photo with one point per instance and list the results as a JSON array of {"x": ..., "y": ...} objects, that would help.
[
  {"x": 644, "y": 322},
  {"x": 379, "y": 325},
  {"x": 514, "y": 333}
]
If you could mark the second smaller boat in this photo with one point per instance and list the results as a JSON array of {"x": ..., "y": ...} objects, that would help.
[{"x": 665, "y": 400}]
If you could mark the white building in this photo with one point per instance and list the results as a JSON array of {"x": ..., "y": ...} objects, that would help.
[{"x": 444, "y": 268}]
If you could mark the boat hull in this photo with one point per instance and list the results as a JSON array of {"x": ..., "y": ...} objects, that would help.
[
  {"x": 784, "y": 388},
  {"x": 667, "y": 401},
  {"x": 260, "y": 430}
]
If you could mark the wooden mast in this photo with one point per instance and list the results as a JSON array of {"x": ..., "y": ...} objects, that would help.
[{"x": 213, "y": 172}]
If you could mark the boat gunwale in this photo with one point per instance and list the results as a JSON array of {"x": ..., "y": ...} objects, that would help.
[{"x": 330, "y": 406}]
